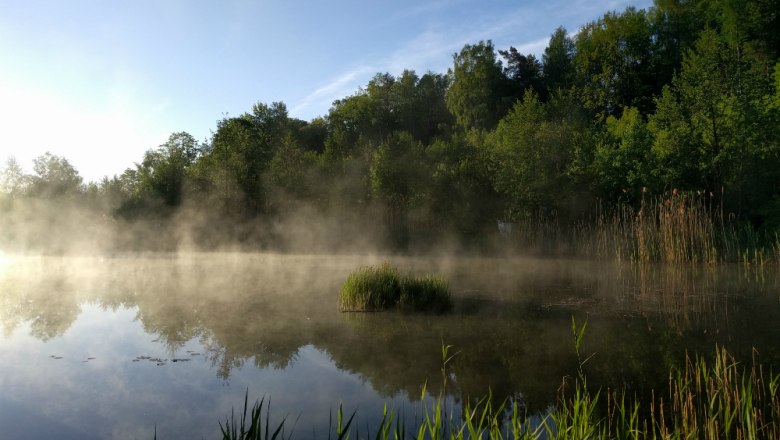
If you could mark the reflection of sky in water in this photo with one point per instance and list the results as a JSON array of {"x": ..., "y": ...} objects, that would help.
[{"x": 113, "y": 397}]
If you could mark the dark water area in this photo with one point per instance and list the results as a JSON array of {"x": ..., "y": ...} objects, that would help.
[{"x": 118, "y": 347}]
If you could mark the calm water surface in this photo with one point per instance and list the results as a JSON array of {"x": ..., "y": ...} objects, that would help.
[{"x": 116, "y": 347}]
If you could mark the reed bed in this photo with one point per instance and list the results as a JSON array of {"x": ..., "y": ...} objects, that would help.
[
  {"x": 680, "y": 227},
  {"x": 376, "y": 288}
]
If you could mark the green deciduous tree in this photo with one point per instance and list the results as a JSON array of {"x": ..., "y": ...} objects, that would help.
[
  {"x": 712, "y": 126},
  {"x": 478, "y": 94},
  {"x": 558, "y": 69},
  {"x": 400, "y": 179},
  {"x": 614, "y": 62},
  {"x": 399, "y": 175},
  {"x": 13, "y": 181},
  {"x": 54, "y": 177},
  {"x": 162, "y": 172},
  {"x": 624, "y": 165},
  {"x": 462, "y": 193},
  {"x": 239, "y": 155},
  {"x": 531, "y": 154},
  {"x": 292, "y": 169}
]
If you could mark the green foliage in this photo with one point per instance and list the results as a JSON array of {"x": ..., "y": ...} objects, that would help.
[
  {"x": 624, "y": 163},
  {"x": 712, "y": 128},
  {"x": 13, "y": 181},
  {"x": 163, "y": 171},
  {"x": 371, "y": 289},
  {"x": 253, "y": 428},
  {"x": 54, "y": 177},
  {"x": 239, "y": 156},
  {"x": 684, "y": 95},
  {"x": 531, "y": 152},
  {"x": 428, "y": 293},
  {"x": 713, "y": 401},
  {"x": 398, "y": 172},
  {"x": 292, "y": 170},
  {"x": 614, "y": 58},
  {"x": 558, "y": 61},
  {"x": 422, "y": 109},
  {"x": 477, "y": 96},
  {"x": 524, "y": 72}
]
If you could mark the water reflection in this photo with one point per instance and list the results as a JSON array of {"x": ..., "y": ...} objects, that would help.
[{"x": 254, "y": 319}]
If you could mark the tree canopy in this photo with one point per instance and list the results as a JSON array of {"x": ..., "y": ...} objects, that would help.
[{"x": 682, "y": 96}]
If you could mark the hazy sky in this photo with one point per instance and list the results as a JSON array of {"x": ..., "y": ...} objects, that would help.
[{"x": 100, "y": 82}]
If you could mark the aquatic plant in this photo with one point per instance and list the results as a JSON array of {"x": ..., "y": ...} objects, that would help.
[
  {"x": 429, "y": 293},
  {"x": 382, "y": 287},
  {"x": 677, "y": 227},
  {"x": 252, "y": 429},
  {"x": 722, "y": 400},
  {"x": 370, "y": 289}
]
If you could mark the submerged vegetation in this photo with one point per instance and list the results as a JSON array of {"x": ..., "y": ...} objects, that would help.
[{"x": 371, "y": 289}]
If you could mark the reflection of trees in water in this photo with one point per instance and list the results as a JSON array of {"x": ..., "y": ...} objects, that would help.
[
  {"x": 45, "y": 302},
  {"x": 53, "y": 317},
  {"x": 511, "y": 324}
]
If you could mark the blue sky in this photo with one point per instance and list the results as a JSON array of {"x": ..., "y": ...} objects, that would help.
[{"x": 100, "y": 82}]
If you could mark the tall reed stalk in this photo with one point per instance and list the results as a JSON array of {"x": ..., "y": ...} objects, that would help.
[{"x": 676, "y": 228}]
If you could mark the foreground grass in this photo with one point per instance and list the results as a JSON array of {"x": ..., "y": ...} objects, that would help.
[
  {"x": 722, "y": 400},
  {"x": 383, "y": 287}
]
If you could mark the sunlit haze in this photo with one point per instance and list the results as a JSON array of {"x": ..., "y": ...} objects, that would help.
[{"x": 101, "y": 82}]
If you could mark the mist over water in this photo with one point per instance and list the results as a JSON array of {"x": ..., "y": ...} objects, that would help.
[
  {"x": 269, "y": 323},
  {"x": 115, "y": 326}
]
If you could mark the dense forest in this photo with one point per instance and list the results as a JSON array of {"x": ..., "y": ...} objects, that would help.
[{"x": 639, "y": 114}]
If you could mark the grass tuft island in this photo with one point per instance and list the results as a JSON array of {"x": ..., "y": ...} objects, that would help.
[{"x": 376, "y": 288}]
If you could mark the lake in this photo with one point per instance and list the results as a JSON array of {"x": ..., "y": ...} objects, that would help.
[{"x": 121, "y": 346}]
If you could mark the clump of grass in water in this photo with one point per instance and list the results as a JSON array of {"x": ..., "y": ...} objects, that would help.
[
  {"x": 430, "y": 293},
  {"x": 370, "y": 289}
]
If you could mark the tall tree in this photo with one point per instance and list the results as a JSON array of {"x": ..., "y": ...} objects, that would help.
[
  {"x": 13, "y": 181},
  {"x": 558, "y": 61},
  {"x": 478, "y": 94},
  {"x": 54, "y": 177},
  {"x": 624, "y": 165},
  {"x": 162, "y": 172},
  {"x": 531, "y": 154},
  {"x": 614, "y": 59},
  {"x": 399, "y": 178},
  {"x": 524, "y": 72},
  {"x": 711, "y": 125},
  {"x": 291, "y": 170}
]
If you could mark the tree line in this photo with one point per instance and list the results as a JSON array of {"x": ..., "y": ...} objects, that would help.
[{"x": 681, "y": 97}]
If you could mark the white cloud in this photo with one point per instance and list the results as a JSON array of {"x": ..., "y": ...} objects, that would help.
[
  {"x": 341, "y": 86},
  {"x": 527, "y": 28},
  {"x": 535, "y": 47}
]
